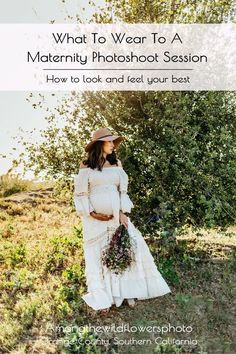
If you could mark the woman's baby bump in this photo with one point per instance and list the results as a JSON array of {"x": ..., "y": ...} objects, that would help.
[{"x": 105, "y": 199}]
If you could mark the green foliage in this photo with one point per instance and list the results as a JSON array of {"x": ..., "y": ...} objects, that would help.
[
  {"x": 31, "y": 299},
  {"x": 232, "y": 261},
  {"x": 168, "y": 11},
  {"x": 81, "y": 342},
  {"x": 167, "y": 269},
  {"x": 26, "y": 309},
  {"x": 68, "y": 299},
  {"x": 179, "y": 152},
  {"x": 168, "y": 349},
  {"x": 67, "y": 296},
  {"x": 18, "y": 280},
  {"x": 73, "y": 282},
  {"x": 12, "y": 254},
  {"x": 17, "y": 254},
  {"x": 183, "y": 299},
  {"x": 60, "y": 248},
  {"x": 179, "y": 147},
  {"x": 63, "y": 188}
]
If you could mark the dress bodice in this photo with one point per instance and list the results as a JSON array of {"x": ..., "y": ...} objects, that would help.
[
  {"x": 103, "y": 191},
  {"x": 106, "y": 179}
]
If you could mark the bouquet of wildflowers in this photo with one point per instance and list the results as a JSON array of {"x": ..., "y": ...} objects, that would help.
[{"x": 119, "y": 254}]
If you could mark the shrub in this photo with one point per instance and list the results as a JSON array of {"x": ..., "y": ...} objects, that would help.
[{"x": 178, "y": 150}]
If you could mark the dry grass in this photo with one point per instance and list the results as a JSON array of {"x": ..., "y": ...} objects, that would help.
[
  {"x": 12, "y": 183},
  {"x": 42, "y": 280}
]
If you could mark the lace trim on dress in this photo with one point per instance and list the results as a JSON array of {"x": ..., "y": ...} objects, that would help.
[
  {"x": 108, "y": 232},
  {"x": 95, "y": 239},
  {"x": 80, "y": 194}
]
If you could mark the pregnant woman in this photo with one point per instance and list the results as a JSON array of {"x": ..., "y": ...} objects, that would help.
[{"x": 101, "y": 200}]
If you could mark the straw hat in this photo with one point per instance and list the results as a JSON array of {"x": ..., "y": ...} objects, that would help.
[{"x": 104, "y": 134}]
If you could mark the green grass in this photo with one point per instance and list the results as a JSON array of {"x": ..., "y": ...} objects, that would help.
[{"x": 42, "y": 280}]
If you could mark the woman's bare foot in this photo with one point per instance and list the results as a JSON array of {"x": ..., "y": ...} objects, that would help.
[
  {"x": 105, "y": 310},
  {"x": 131, "y": 302}
]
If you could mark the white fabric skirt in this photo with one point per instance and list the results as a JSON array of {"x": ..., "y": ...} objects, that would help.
[{"x": 142, "y": 280}]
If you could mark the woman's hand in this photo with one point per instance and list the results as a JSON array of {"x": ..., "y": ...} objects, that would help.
[
  {"x": 100, "y": 216},
  {"x": 124, "y": 219}
]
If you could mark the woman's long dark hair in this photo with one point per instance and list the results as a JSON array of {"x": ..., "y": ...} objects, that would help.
[{"x": 95, "y": 158}]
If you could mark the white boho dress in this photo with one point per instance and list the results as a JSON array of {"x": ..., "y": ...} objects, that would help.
[{"x": 106, "y": 192}]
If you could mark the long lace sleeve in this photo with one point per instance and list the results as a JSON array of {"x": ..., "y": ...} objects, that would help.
[
  {"x": 125, "y": 202},
  {"x": 81, "y": 198}
]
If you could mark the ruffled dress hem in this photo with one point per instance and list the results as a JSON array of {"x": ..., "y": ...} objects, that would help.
[{"x": 141, "y": 289}]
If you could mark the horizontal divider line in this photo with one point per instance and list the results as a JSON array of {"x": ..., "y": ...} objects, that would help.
[{"x": 118, "y": 69}]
